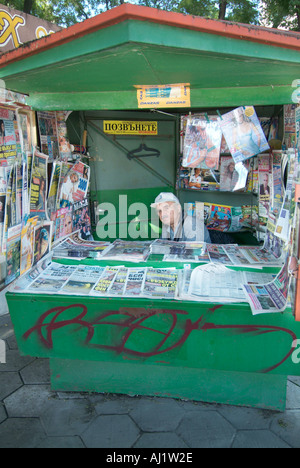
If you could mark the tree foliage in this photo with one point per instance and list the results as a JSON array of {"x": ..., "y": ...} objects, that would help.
[{"x": 275, "y": 13}]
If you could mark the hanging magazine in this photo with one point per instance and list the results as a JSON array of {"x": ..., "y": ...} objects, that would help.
[
  {"x": 39, "y": 184},
  {"x": 13, "y": 253},
  {"x": 243, "y": 133},
  {"x": 48, "y": 134},
  {"x": 202, "y": 144},
  {"x": 75, "y": 184}
]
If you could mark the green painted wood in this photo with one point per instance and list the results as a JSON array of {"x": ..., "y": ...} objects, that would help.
[
  {"x": 106, "y": 65},
  {"x": 234, "y": 388}
]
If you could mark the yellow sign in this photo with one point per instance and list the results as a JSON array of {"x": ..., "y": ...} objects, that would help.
[
  {"x": 130, "y": 127},
  {"x": 172, "y": 95}
]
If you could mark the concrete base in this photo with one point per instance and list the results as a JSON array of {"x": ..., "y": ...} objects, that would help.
[{"x": 265, "y": 391}]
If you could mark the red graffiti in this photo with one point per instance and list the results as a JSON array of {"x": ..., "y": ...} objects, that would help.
[{"x": 135, "y": 319}]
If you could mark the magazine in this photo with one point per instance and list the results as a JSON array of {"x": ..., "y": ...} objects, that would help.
[
  {"x": 202, "y": 144},
  {"x": 228, "y": 174},
  {"x": 75, "y": 184},
  {"x": 134, "y": 282},
  {"x": 81, "y": 219},
  {"x": 64, "y": 146},
  {"x": 48, "y": 134},
  {"x": 13, "y": 247},
  {"x": 223, "y": 218},
  {"x": 42, "y": 240},
  {"x": 161, "y": 283},
  {"x": 63, "y": 223},
  {"x": 106, "y": 280},
  {"x": 82, "y": 280},
  {"x": 243, "y": 133},
  {"x": 53, "y": 188},
  {"x": 38, "y": 186},
  {"x": 27, "y": 244},
  {"x": 63, "y": 179}
]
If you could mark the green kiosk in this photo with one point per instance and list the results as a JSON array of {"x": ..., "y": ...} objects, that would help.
[{"x": 183, "y": 349}]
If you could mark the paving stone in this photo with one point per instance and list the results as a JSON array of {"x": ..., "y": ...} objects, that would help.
[
  {"x": 287, "y": 426},
  {"x": 292, "y": 396},
  {"x": 37, "y": 372},
  {"x": 61, "y": 442},
  {"x": 111, "y": 431},
  {"x": 28, "y": 401},
  {"x": 67, "y": 417},
  {"x": 247, "y": 418},
  {"x": 161, "y": 414},
  {"x": 3, "y": 414},
  {"x": 9, "y": 383},
  {"x": 258, "y": 439},
  {"x": 15, "y": 362},
  {"x": 160, "y": 440},
  {"x": 21, "y": 433},
  {"x": 206, "y": 429}
]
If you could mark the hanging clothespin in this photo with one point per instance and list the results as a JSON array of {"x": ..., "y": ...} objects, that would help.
[
  {"x": 206, "y": 116},
  {"x": 218, "y": 112}
]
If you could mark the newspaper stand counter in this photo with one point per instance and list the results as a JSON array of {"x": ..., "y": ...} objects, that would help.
[{"x": 201, "y": 351}]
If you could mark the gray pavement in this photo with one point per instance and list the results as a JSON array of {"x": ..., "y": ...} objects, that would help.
[{"x": 34, "y": 416}]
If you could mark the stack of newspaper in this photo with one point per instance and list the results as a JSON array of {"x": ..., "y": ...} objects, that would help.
[
  {"x": 180, "y": 251},
  {"x": 74, "y": 247},
  {"x": 131, "y": 251}
]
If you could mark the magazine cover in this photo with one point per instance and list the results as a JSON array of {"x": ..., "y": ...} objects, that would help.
[
  {"x": 63, "y": 178},
  {"x": 13, "y": 253},
  {"x": 202, "y": 143},
  {"x": 53, "y": 188},
  {"x": 228, "y": 174},
  {"x": 8, "y": 212},
  {"x": 48, "y": 134},
  {"x": 3, "y": 189},
  {"x": 42, "y": 240},
  {"x": 63, "y": 141},
  {"x": 63, "y": 225},
  {"x": 27, "y": 241},
  {"x": 39, "y": 185},
  {"x": 277, "y": 190},
  {"x": 9, "y": 139},
  {"x": 75, "y": 184},
  {"x": 243, "y": 133},
  {"x": 82, "y": 220},
  {"x": 82, "y": 280}
]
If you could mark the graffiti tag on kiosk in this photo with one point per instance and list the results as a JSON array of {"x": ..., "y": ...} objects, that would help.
[
  {"x": 128, "y": 320},
  {"x": 9, "y": 28}
]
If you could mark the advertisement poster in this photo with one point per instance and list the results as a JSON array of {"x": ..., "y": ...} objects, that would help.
[{"x": 171, "y": 95}]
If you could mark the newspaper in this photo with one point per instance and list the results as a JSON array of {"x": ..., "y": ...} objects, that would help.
[
  {"x": 269, "y": 296},
  {"x": 25, "y": 280},
  {"x": 118, "y": 285},
  {"x": 70, "y": 248},
  {"x": 217, "y": 254},
  {"x": 202, "y": 144},
  {"x": 82, "y": 280},
  {"x": 160, "y": 283},
  {"x": 218, "y": 283},
  {"x": 52, "y": 279},
  {"x": 106, "y": 280},
  {"x": 132, "y": 251},
  {"x": 243, "y": 133},
  {"x": 134, "y": 282},
  {"x": 259, "y": 255}
]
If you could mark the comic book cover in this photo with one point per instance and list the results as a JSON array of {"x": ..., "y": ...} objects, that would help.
[
  {"x": 243, "y": 133},
  {"x": 202, "y": 143}
]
